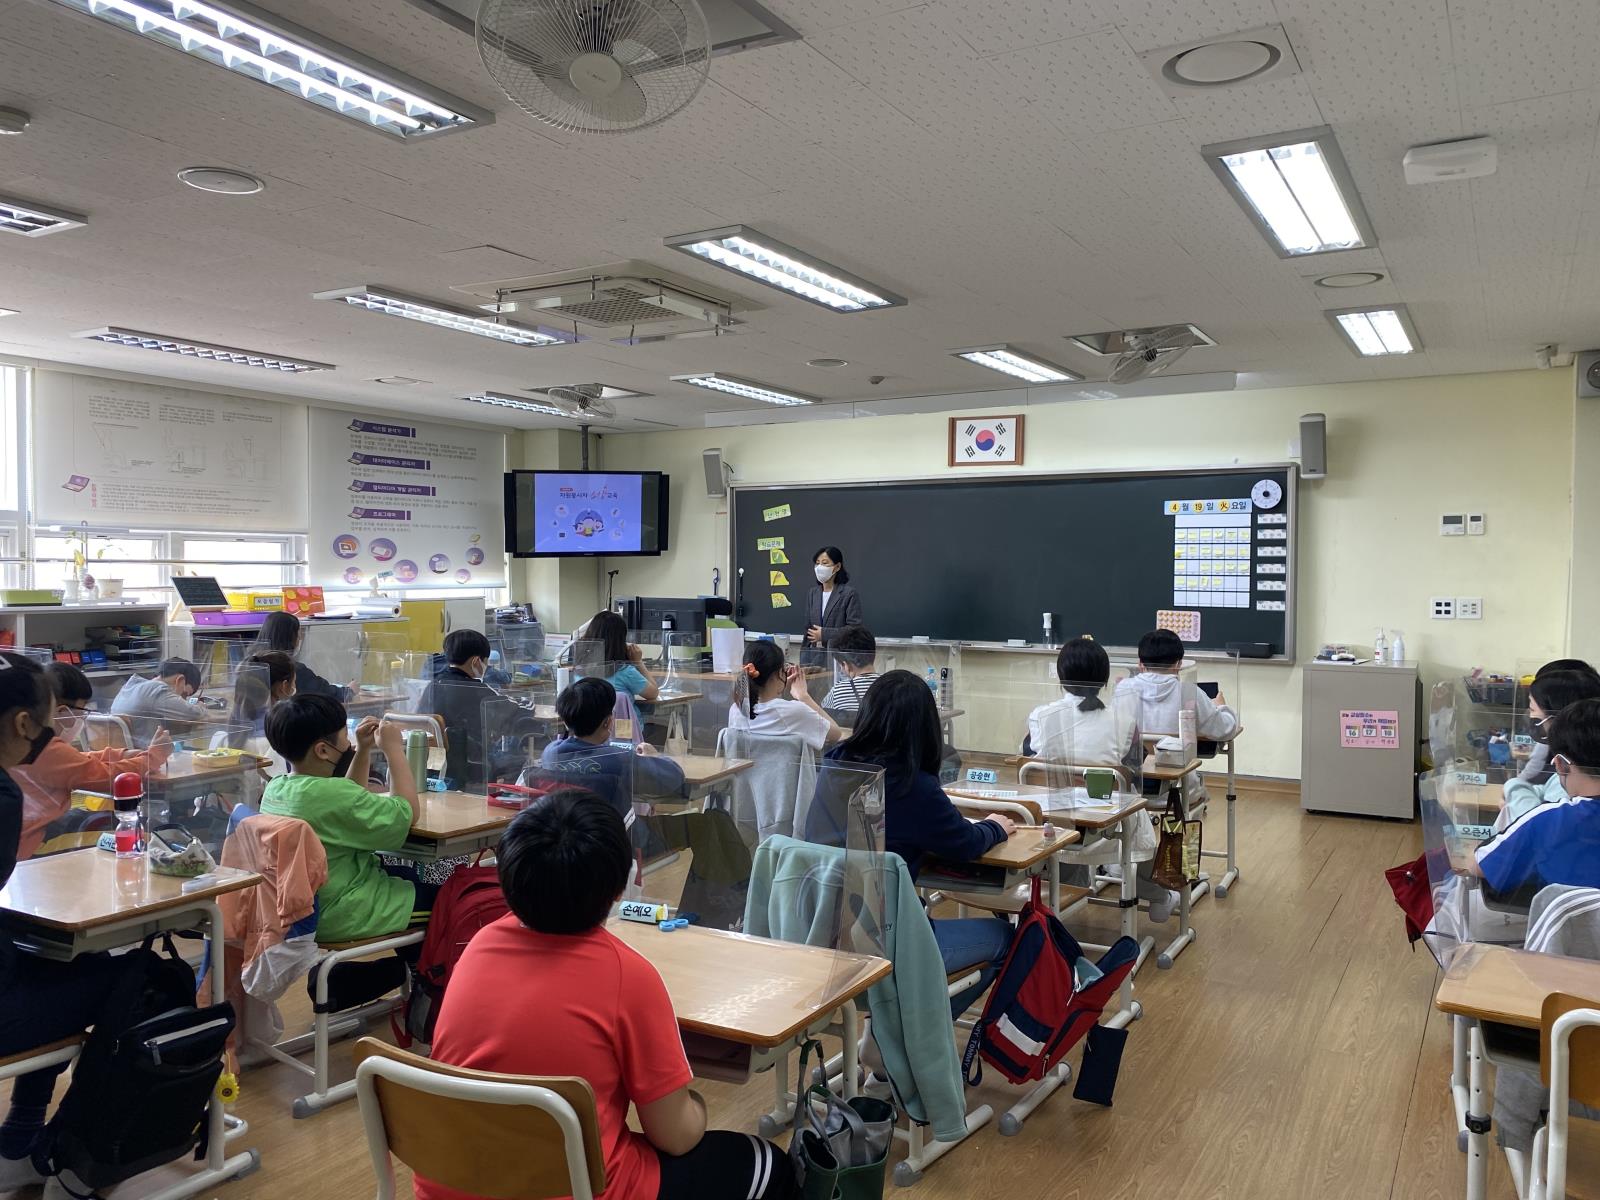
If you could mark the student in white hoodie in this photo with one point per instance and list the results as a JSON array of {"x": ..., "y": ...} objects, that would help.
[
  {"x": 1082, "y": 729},
  {"x": 1161, "y": 696}
]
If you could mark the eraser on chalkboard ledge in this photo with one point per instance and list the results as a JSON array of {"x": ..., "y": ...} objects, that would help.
[
  {"x": 1250, "y": 649},
  {"x": 920, "y": 637},
  {"x": 1016, "y": 641}
]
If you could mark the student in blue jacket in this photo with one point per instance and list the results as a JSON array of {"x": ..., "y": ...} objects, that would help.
[{"x": 898, "y": 730}]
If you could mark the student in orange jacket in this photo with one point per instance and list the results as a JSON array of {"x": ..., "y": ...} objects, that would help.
[{"x": 48, "y": 782}]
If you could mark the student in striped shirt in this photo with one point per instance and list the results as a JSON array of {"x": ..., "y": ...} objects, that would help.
[{"x": 855, "y": 651}]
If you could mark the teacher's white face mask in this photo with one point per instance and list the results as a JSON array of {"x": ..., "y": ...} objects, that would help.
[{"x": 824, "y": 573}]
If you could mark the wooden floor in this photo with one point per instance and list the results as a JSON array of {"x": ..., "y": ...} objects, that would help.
[{"x": 1292, "y": 1052}]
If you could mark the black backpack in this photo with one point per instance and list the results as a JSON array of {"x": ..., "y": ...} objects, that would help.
[{"x": 141, "y": 1087}]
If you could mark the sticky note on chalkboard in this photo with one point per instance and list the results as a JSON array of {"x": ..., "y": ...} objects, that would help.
[
  {"x": 777, "y": 579},
  {"x": 779, "y": 557},
  {"x": 779, "y": 600},
  {"x": 775, "y": 514},
  {"x": 769, "y": 543}
]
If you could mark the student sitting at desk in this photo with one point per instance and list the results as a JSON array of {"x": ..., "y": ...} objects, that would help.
[
  {"x": 362, "y": 898},
  {"x": 759, "y": 705},
  {"x": 855, "y": 652},
  {"x": 1559, "y": 842},
  {"x": 898, "y": 730},
  {"x": 469, "y": 708},
  {"x": 41, "y": 1000},
  {"x": 60, "y": 767},
  {"x": 602, "y": 1014},
  {"x": 621, "y": 662},
  {"x": 1538, "y": 764},
  {"x": 282, "y": 633},
  {"x": 1549, "y": 694},
  {"x": 169, "y": 697},
  {"x": 1080, "y": 729},
  {"x": 588, "y": 710},
  {"x": 1161, "y": 692}
]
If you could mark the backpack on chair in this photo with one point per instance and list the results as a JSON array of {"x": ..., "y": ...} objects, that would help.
[
  {"x": 1046, "y": 998},
  {"x": 470, "y": 899},
  {"x": 141, "y": 1087}
]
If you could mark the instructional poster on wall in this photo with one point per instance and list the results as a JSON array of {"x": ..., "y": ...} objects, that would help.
[
  {"x": 407, "y": 502},
  {"x": 111, "y": 452}
]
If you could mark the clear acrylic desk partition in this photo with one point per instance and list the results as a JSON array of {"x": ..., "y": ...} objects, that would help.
[
  {"x": 1459, "y": 810},
  {"x": 1478, "y": 724}
]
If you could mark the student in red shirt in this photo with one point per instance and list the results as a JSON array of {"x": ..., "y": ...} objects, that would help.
[{"x": 546, "y": 990}]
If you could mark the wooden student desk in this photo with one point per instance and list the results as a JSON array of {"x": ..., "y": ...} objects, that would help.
[
  {"x": 757, "y": 993},
  {"x": 69, "y": 904},
  {"x": 1501, "y": 986},
  {"x": 701, "y": 772}
]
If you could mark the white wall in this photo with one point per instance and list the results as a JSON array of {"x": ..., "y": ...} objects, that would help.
[{"x": 1400, "y": 453}]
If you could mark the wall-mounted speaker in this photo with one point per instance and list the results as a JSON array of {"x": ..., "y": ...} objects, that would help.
[
  {"x": 1314, "y": 446},
  {"x": 716, "y": 471},
  {"x": 1589, "y": 374}
]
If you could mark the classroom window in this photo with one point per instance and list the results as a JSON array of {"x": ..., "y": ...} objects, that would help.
[
  {"x": 13, "y": 382},
  {"x": 134, "y": 560},
  {"x": 240, "y": 562}
]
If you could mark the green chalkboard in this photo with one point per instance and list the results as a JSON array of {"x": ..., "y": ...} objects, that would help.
[{"x": 983, "y": 559}]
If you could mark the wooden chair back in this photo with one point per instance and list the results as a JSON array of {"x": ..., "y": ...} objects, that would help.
[
  {"x": 476, "y": 1131},
  {"x": 429, "y": 723},
  {"x": 102, "y": 731},
  {"x": 1583, "y": 1048}
]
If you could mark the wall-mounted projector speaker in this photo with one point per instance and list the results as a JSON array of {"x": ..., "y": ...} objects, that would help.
[
  {"x": 1589, "y": 375},
  {"x": 717, "y": 471},
  {"x": 1314, "y": 446}
]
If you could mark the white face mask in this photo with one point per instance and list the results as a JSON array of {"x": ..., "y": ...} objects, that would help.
[{"x": 824, "y": 573}]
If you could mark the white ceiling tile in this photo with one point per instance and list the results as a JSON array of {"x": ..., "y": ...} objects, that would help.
[
  {"x": 1152, "y": 24},
  {"x": 1505, "y": 52},
  {"x": 1005, "y": 25},
  {"x": 1086, "y": 84}
]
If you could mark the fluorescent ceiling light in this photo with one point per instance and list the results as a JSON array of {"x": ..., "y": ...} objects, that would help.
[
  {"x": 1373, "y": 332},
  {"x": 747, "y": 252},
  {"x": 745, "y": 388},
  {"x": 1010, "y": 361},
  {"x": 1297, "y": 189},
  {"x": 249, "y": 42},
  {"x": 396, "y": 304},
  {"x": 30, "y": 220},
  {"x": 202, "y": 350},
  {"x": 499, "y": 400}
]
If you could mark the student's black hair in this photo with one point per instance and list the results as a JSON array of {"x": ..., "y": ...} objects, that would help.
[
  {"x": 1083, "y": 667},
  {"x": 767, "y": 660},
  {"x": 1575, "y": 735},
  {"x": 564, "y": 860},
  {"x": 611, "y": 631},
  {"x": 1554, "y": 690},
  {"x": 179, "y": 666},
  {"x": 833, "y": 552},
  {"x": 463, "y": 645},
  {"x": 1565, "y": 664},
  {"x": 23, "y": 686},
  {"x": 68, "y": 684},
  {"x": 280, "y": 633},
  {"x": 898, "y": 726},
  {"x": 856, "y": 646},
  {"x": 585, "y": 705},
  {"x": 295, "y": 725},
  {"x": 252, "y": 690},
  {"x": 1160, "y": 648}
]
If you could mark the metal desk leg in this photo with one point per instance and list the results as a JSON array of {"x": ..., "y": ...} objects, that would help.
[
  {"x": 1477, "y": 1119},
  {"x": 219, "y": 1166},
  {"x": 1231, "y": 853},
  {"x": 1129, "y": 1010}
]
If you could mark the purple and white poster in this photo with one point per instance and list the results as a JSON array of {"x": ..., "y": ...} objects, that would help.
[{"x": 408, "y": 502}]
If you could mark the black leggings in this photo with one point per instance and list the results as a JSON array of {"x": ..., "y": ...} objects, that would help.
[{"x": 728, "y": 1166}]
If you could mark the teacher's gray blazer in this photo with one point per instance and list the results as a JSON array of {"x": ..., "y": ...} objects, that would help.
[{"x": 844, "y": 610}]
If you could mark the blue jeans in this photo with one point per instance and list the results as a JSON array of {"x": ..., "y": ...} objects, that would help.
[{"x": 971, "y": 942}]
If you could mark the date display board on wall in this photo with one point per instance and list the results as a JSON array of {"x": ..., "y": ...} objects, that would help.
[{"x": 983, "y": 559}]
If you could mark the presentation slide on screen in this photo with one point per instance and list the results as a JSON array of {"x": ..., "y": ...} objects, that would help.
[{"x": 587, "y": 513}]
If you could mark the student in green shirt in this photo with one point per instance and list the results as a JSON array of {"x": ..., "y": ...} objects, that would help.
[{"x": 362, "y": 898}]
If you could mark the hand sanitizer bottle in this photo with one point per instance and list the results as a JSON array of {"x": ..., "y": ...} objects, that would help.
[
  {"x": 1380, "y": 649},
  {"x": 1397, "y": 649}
]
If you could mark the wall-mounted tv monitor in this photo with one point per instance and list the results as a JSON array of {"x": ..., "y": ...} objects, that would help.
[{"x": 575, "y": 514}]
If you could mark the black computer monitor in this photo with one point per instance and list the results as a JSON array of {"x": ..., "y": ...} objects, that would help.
[{"x": 678, "y": 614}]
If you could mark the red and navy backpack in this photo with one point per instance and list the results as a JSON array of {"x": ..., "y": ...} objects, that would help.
[{"x": 1036, "y": 1011}]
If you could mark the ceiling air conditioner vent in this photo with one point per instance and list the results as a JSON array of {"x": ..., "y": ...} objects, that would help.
[{"x": 618, "y": 302}]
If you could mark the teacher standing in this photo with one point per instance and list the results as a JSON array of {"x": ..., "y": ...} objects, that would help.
[{"x": 833, "y": 605}]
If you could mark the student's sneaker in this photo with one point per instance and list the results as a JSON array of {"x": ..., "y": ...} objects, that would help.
[
  {"x": 1161, "y": 910},
  {"x": 18, "y": 1173},
  {"x": 877, "y": 1087}
]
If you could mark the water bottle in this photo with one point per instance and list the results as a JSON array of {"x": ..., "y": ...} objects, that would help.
[
  {"x": 417, "y": 757},
  {"x": 933, "y": 683},
  {"x": 127, "y": 797}
]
